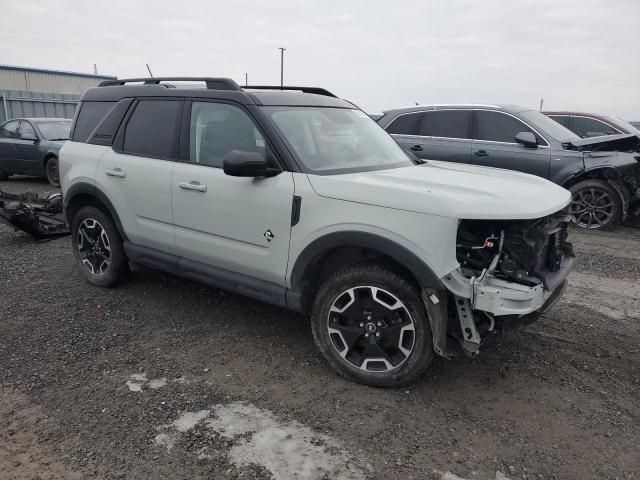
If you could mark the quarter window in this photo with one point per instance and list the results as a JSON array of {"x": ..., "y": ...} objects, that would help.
[
  {"x": 218, "y": 128},
  {"x": 91, "y": 113},
  {"x": 151, "y": 130},
  {"x": 406, "y": 124},
  {"x": 8, "y": 130},
  {"x": 498, "y": 127},
  {"x": 446, "y": 123},
  {"x": 588, "y": 127}
]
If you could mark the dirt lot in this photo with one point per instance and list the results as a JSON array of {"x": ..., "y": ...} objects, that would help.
[{"x": 166, "y": 378}]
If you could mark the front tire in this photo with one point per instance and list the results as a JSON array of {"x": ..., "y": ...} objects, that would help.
[
  {"x": 53, "y": 172},
  {"x": 371, "y": 326},
  {"x": 97, "y": 246},
  {"x": 595, "y": 205}
]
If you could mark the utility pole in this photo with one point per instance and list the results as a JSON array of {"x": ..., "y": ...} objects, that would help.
[
  {"x": 282, "y": 49},
  {"x": 95, "y": 69},
  {"x": 246, "y": 79}
]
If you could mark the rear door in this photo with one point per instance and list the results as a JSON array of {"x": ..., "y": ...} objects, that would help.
[
  {"x": 242, "y": 225},
  {"x": 136, "y": 172},
  {"x": 494, "y": 144},
  {"x": 28, "y": 151}
]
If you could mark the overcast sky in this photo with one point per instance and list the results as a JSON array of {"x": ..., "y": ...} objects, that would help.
[{"x": 577, "y": 54}]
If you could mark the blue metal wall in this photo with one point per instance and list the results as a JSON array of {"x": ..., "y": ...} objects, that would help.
[{"x": 15, "y": 103}]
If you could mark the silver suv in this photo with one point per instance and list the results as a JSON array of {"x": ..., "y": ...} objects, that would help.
[{"x": 298, "y": 198}]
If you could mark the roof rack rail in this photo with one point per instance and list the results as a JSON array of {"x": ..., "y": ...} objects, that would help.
[
  {"x": 211, "y": 82},
  {"x": 314, "y": 90}
]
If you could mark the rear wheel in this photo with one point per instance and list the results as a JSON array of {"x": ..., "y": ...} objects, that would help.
[
  {"x": 595, "y": 205},
  {"x": 97, "y": 246},
  {"x": 371, "y": 326},
  {"x": 52, "y": 171}
]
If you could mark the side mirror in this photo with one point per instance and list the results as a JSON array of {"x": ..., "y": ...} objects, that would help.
[
  {"x": 240, "y": 163},
  {"x": 28, "y": 136},
  {"x": 527, "y": 139}
]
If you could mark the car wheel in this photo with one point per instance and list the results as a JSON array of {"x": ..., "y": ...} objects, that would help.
[
  {"x": 595, "y": 205},
  {"x": 371, "y": 326},
  {"x": 53, "y": 172},
  {"x": 97, "y": 246}
]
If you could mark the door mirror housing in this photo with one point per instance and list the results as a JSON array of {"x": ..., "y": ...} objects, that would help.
[
  {"x": 240, "y": 163},
  {"x": 28, "y": 136},
  {"x": 527, "y": 139}
]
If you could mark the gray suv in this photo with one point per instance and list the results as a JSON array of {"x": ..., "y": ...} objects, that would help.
[
  {"x": 298, "y": 198},
  {"x": 605, "y": 184}
]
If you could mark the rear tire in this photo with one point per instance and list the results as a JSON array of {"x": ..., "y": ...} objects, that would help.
[
  {"x": 98, "y": 248},
  {"x": 52, "y": 171},
  {"x": 371, "y": 326},
  {"x": 595, "y": 205}
]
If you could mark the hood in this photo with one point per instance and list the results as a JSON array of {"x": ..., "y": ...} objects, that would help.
[
  {"x": 449, "y": 189},
  {"x": 622, "y": 141}
]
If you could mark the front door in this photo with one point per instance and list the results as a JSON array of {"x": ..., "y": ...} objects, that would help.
[
  {"x": 494, "y": 145},
  {"x": 238, "y": 224},
  {"x": 28, "y": 151}
]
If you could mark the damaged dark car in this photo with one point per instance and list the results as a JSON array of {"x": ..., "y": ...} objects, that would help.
[{"x": 602, "y": 173}]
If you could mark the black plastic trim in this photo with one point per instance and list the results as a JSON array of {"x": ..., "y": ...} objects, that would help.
[
  {"x": 216, "y": 277},
  {"x": 92, "y": 190},
  {"x": 295, "y": 210},
  {"x": 105, "y": 132}
]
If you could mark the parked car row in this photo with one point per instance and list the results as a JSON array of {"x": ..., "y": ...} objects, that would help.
[
  {"x": 602, "y": 173},
  {"x": 605, "y": 186}
]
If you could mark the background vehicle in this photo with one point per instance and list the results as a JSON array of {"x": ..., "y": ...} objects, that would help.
[
  {"x": 30, "y": 146},
  {"x": 605, "y": 184},
  {"x": 587, "y": 125},
  {"x": 300, "y": 199}
]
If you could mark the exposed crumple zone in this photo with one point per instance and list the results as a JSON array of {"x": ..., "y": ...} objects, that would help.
[
  {"x": 287, "y": 449},
  {"x": 39, "y": 217}
]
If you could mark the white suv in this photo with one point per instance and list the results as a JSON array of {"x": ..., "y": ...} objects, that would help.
[{"x": 298, "y": 198}]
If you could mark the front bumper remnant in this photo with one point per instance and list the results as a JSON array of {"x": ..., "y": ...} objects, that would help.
[{"x": 500, "y": 297}]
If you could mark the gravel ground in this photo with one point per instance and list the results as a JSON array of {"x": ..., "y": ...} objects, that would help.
[{"x": 167, "y": 378}]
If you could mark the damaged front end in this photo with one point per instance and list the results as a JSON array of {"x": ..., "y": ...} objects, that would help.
[
  {"x": 40, "y": 217},
  {"x": 510, "y": 272}
]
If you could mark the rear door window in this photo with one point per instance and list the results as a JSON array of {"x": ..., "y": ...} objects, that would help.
[
  {"x": 446, "y": 123},
  {"x": 26, "y": 129},
  {"x": 152, "y": 129},
  {"x": 406, "y": 124},
  {"x": 499, "y": 127},
  {"x": 91, "y": 113},
  {"x": 589, "y": 127}
]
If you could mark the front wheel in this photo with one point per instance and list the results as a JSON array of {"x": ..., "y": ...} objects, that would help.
[
  {"x": 53, "y": 172},
  {"x": 371, "y": 326},
  {"x": 595, "y": 205},
  {"x": 97, "y": 246}
]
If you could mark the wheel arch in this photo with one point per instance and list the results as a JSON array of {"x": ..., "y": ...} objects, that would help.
[
  {"x": 608, "y": 174},
  {"x": 82, "y": 194},
  {"x": 339, "y": 249}
]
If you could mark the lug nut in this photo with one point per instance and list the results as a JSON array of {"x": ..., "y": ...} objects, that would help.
[
  {"x": 366, "y": 335},
  {"x": 377, "y": 334},
  {"x": 379, "y": 324},
  {"x": 361, "y": 324}
]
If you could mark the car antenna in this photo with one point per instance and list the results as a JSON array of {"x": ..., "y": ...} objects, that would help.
[{"x": 151, "y": 74}]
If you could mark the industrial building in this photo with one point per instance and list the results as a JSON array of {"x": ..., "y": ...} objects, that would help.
[{"x": 35, "y": 92}]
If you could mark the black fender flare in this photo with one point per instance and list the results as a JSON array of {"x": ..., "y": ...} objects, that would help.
[
  {"x": 400, "y": 254},
  {"x": 84, "y": 188}
]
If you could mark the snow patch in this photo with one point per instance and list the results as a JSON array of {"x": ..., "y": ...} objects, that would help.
[
  {"x": 138, "y": 381},
  {"x": 289, "y": 450}
]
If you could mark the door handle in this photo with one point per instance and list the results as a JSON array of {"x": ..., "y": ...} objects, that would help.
[
  {"x": 417, "y": 148},
  {"x": 193, "y": 185},
  {"x": 481, "y": 153},
  {"x": 116, "y": 172}
]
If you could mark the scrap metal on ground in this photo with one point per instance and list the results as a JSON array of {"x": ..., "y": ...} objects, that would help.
[{"x": 39, "y": 216}]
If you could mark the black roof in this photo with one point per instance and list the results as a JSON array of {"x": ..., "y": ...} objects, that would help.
[{"x": 218, "y": 88}]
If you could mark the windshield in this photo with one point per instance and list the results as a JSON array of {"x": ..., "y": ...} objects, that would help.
[
  {"x": 55, "y": 130},
  {"x": 336, "y": 140},
  {"x": 549, "y": 126},
  {"x": 624, "y": 124}
]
